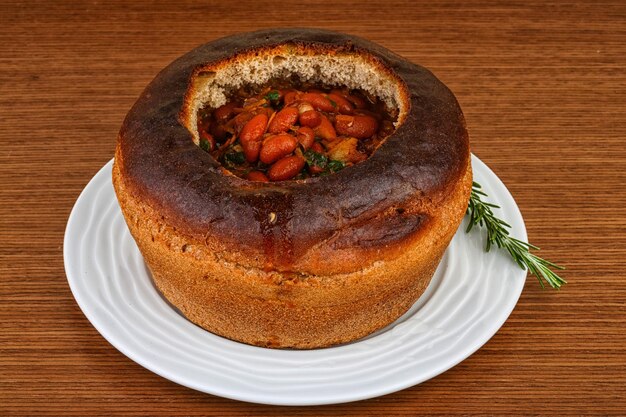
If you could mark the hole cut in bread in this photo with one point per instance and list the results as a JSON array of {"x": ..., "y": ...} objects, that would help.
[{"x": 213, "y": 84}]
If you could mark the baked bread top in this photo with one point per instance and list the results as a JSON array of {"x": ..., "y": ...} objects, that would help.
[{"x": 319, "y": 226}]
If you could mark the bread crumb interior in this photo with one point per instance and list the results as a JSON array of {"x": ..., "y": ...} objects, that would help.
[{"x": 213, "y": 85}]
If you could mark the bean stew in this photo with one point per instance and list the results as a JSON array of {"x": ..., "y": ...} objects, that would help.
[{"x": 282, "y": 132}]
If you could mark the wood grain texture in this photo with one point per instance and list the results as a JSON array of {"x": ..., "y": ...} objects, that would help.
[{"x": 543, "y": 88}]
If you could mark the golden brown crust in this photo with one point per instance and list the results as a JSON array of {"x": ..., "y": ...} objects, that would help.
[
  {"x": 346, "y": 255},
  {"x": 268, "y": 308}
]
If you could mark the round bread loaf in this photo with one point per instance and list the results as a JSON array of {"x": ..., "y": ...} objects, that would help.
[{"x": 302, "y": 263}]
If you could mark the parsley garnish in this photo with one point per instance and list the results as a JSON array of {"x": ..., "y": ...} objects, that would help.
[
  {"x": 328, "y": 165},
  {"x": 233, "y": 158},
  {"x": 335, "y": 165},
  {"x": 315, "y": 159},
  {"x": 273, "y": 95},
  {"x": 205, "y": 145}
]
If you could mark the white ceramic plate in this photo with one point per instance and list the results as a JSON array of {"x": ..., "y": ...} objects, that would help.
[{"x": 470, "y": 297}]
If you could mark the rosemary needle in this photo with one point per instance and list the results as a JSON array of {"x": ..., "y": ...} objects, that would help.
[{"x": 481, "y": 214}]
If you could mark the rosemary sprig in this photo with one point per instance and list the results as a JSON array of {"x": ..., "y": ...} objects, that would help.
[{"x": 481, "y": 214}]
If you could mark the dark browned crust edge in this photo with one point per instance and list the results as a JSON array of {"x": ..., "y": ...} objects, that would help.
[{"x": 413, "y": 171}]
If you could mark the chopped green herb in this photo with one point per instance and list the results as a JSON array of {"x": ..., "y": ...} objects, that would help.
[
  {"x": 205, "y": 145},
  {"x": 273, "y": 95},
  {"x": 328, "y": 165},
  {"x": 335, "y": 165},
  {"x": 315, "y": 159},
  {"x": 232, "y": 159},
  {"x": 333, "y": 103}
]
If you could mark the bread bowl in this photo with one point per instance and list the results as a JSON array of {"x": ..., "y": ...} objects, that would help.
[{"x": 304, "y": 263}]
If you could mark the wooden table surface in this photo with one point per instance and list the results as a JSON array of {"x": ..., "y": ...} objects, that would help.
[{"x": 543, "y": 88}]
